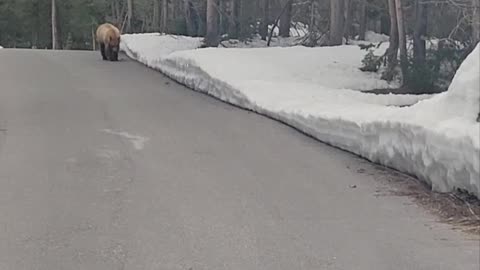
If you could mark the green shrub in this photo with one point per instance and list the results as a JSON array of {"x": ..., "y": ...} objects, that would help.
[
  {"x": 434, "y": 74},
  {"x": 371, "y": 62},
  {"x": 420, "y": 78}
]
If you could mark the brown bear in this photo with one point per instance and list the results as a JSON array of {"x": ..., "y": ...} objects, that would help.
[{"x": 108, "y": 36}]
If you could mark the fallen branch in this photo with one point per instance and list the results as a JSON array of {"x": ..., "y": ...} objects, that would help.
[{"x": 276, "y": 22}]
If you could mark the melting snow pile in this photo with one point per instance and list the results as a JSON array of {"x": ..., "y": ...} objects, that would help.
[{"x": 435, "y": 139}]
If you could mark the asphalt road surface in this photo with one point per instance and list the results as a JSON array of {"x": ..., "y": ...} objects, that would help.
[{"x": 114, "y": 166}]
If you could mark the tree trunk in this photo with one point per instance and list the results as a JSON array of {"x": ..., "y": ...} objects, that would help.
[
  {"x": 312, "y": 15},
  {"x": 174, "y": 12},
  {"x": 221, "y": 17},
  {"x": 164, "y": 16},
  {"x": 348, "y": 18},
  {"x": 402, "y": 39},
  {"x": 392, "y": 51},
  {"x": 94, "y": 42},
  {"x": 337, "y": 21},
  {"x": 264, "y": 26},
  {"x": 129, "y": 15},
  {"x": 189, "y": 18},
  {"x": 286, "y": 20},
  {"x": 384, "y": 24},
  {"x": 245, "y": 17},
  {"x": 233, "y": 18},
  {"x": 363, "y": 19},
  {"x": 36, "y": 26},
  {"x": 275, "y": 24},
  {"x": 116, "y": 13},
  {"x": 476, "y": 20},
  {"x": 54, "y": 26},
  {"x": 69, "y": 42},
  {"x": 156, "y": 15},
  {"x": 212, "y": 24},
  {"x": 419, "y": 47}
]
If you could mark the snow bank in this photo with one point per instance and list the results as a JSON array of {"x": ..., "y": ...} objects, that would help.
[
  {"x": 334, "y": 67},
  {"x": 152, "y": 45},
  {"x": 447, "y": 124},
  {"x": 308, "y": 88},
  {"x": 1, "y": 47},
  {"x": 328, "y": 67}
]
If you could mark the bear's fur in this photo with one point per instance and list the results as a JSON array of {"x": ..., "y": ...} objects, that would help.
[{"x": 108, "y": 36}]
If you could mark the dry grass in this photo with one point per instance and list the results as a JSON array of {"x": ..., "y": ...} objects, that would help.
[{"x": 458, "y": 209}]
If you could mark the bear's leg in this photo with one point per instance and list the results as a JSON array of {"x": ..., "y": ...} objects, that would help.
[
  {"x": 109, "y": 53},
  {"x": 102, "y": 50},
  {"x": 114, "y": 56}
]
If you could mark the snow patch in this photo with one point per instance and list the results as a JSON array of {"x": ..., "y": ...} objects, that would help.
[
  {"x": 435, "y": 138},
  {"x": 257, "y": 42},
  {"x": 373, "y": 37},
  {"x": 297, "y": 30},
  {"x": 138, "y": 142}
]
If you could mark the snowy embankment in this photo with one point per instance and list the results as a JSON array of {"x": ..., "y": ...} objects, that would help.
[
  {"x": 435, "y": 139},
  {"x": 146, "y": 48}
]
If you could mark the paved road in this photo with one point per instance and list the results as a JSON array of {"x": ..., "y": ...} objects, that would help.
[{"x": 113, "y": 166}]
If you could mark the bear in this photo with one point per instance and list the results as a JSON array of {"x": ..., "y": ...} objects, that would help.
[{"x": 108, "y": 36}]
